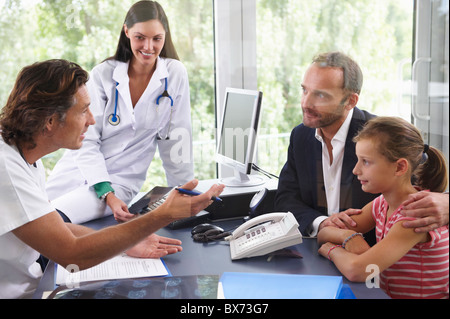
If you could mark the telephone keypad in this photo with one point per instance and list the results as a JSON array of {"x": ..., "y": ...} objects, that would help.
[{"x": 257, "y": 236}]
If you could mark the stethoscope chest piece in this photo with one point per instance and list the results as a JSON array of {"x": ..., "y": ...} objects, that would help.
[{"x": 114, "y": 119}]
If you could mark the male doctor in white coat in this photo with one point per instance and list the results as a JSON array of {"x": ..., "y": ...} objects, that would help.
[
  {"x": 48, "y": 109},
  {"x": 140, "y": 101}
]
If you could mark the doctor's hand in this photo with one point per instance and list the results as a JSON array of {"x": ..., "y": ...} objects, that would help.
[
  {"x": 155, "y": 246},
  {"x": 119, "y": 208},
  {"x": 182, "y": 206}
]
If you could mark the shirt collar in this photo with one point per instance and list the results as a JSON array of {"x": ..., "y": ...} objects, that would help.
[
  {"x": 120, "y": 73},
  {"x": 19, "y": 150}
]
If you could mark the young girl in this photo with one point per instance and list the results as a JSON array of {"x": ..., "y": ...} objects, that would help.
[{"x": 391, "y": 153}]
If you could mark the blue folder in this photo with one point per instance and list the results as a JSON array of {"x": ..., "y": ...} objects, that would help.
[{"x": 282, "y": 286}]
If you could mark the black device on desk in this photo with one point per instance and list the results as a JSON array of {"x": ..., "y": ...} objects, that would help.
[
  {"x": 257, "y": 203},
  {"x": 237, "y": 205},
  {"x": 155, "y": 198},
  {"x": 150, "y": 201},
  {"x": 205, "y": 233}
]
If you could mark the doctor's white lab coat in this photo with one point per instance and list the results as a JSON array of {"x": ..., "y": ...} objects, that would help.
[{"x": 122, "y": 154}]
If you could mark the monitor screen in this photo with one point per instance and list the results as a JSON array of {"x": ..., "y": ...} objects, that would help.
[
  {"x": 240, "y": 121},
  {"x": 237, "y": 126}
]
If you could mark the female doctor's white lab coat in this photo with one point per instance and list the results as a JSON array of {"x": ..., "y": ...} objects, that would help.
[{"x": 122, "y": 154}]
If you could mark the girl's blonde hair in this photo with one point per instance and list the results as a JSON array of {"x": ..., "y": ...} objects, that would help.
[{"x": 397, "y": 138}]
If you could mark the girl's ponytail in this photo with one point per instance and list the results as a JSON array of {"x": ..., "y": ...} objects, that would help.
[{"x": 432, "y": 174}]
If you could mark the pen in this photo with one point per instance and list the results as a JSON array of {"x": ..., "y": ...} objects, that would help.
[{"x": 195, "y": 193}]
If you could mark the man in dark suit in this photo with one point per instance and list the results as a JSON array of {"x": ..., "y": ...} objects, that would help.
[{"x": 317, "y": 180}]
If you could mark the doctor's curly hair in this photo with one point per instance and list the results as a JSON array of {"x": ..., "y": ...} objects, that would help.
[{"x": 42, "y": 90}]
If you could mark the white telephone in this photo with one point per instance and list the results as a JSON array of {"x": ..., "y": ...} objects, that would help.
[{"x": 264, "y": 234}]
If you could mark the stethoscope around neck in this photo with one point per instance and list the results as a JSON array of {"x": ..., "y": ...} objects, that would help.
[{"x": 114, "y": 118}]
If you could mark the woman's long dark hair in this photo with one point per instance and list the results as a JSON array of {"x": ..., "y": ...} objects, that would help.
[{"x": 143, "y": 11}]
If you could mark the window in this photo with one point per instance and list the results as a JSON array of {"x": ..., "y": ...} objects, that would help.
[
  {"x": 192, "y": 27},
  {"x": 268, "y": 44},
  {"x": 252, "y": 44},
  {"x": 377, "y": 34}
]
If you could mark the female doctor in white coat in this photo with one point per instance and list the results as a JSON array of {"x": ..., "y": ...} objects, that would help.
[{"x": 140, "y": 101}]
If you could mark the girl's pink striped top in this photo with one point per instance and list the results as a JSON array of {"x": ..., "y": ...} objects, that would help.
[{"x": 423, "y": 272}]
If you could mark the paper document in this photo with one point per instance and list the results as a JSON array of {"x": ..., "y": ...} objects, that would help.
[{"x": 119, "y": 267}]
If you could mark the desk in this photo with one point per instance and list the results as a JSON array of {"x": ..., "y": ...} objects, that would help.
[{"x": 214, "y": 259}]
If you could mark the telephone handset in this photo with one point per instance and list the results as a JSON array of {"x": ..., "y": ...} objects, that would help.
[{"x": 264, "y": 234}]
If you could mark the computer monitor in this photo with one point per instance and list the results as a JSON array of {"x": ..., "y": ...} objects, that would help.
[{"x": 238, "y": 133}]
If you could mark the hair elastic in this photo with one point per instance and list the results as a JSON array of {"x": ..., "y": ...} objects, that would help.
[{"x": 426, "y": 148}]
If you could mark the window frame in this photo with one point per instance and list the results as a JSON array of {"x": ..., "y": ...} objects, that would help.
[{"x": 235, "y": 53}]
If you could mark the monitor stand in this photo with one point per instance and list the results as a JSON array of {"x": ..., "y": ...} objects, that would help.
[{"x": 242, "y": 180}]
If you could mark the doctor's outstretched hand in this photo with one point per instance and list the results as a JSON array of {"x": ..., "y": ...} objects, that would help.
[
  {"x": 176, "y": 206},
  {"x": 119, "y": 208},
  {"x": 183, "y": 206},
  {"x": 155, "y": 246}
]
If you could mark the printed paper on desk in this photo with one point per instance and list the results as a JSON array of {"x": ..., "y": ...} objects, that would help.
[{"x": 119, "y": 267}]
